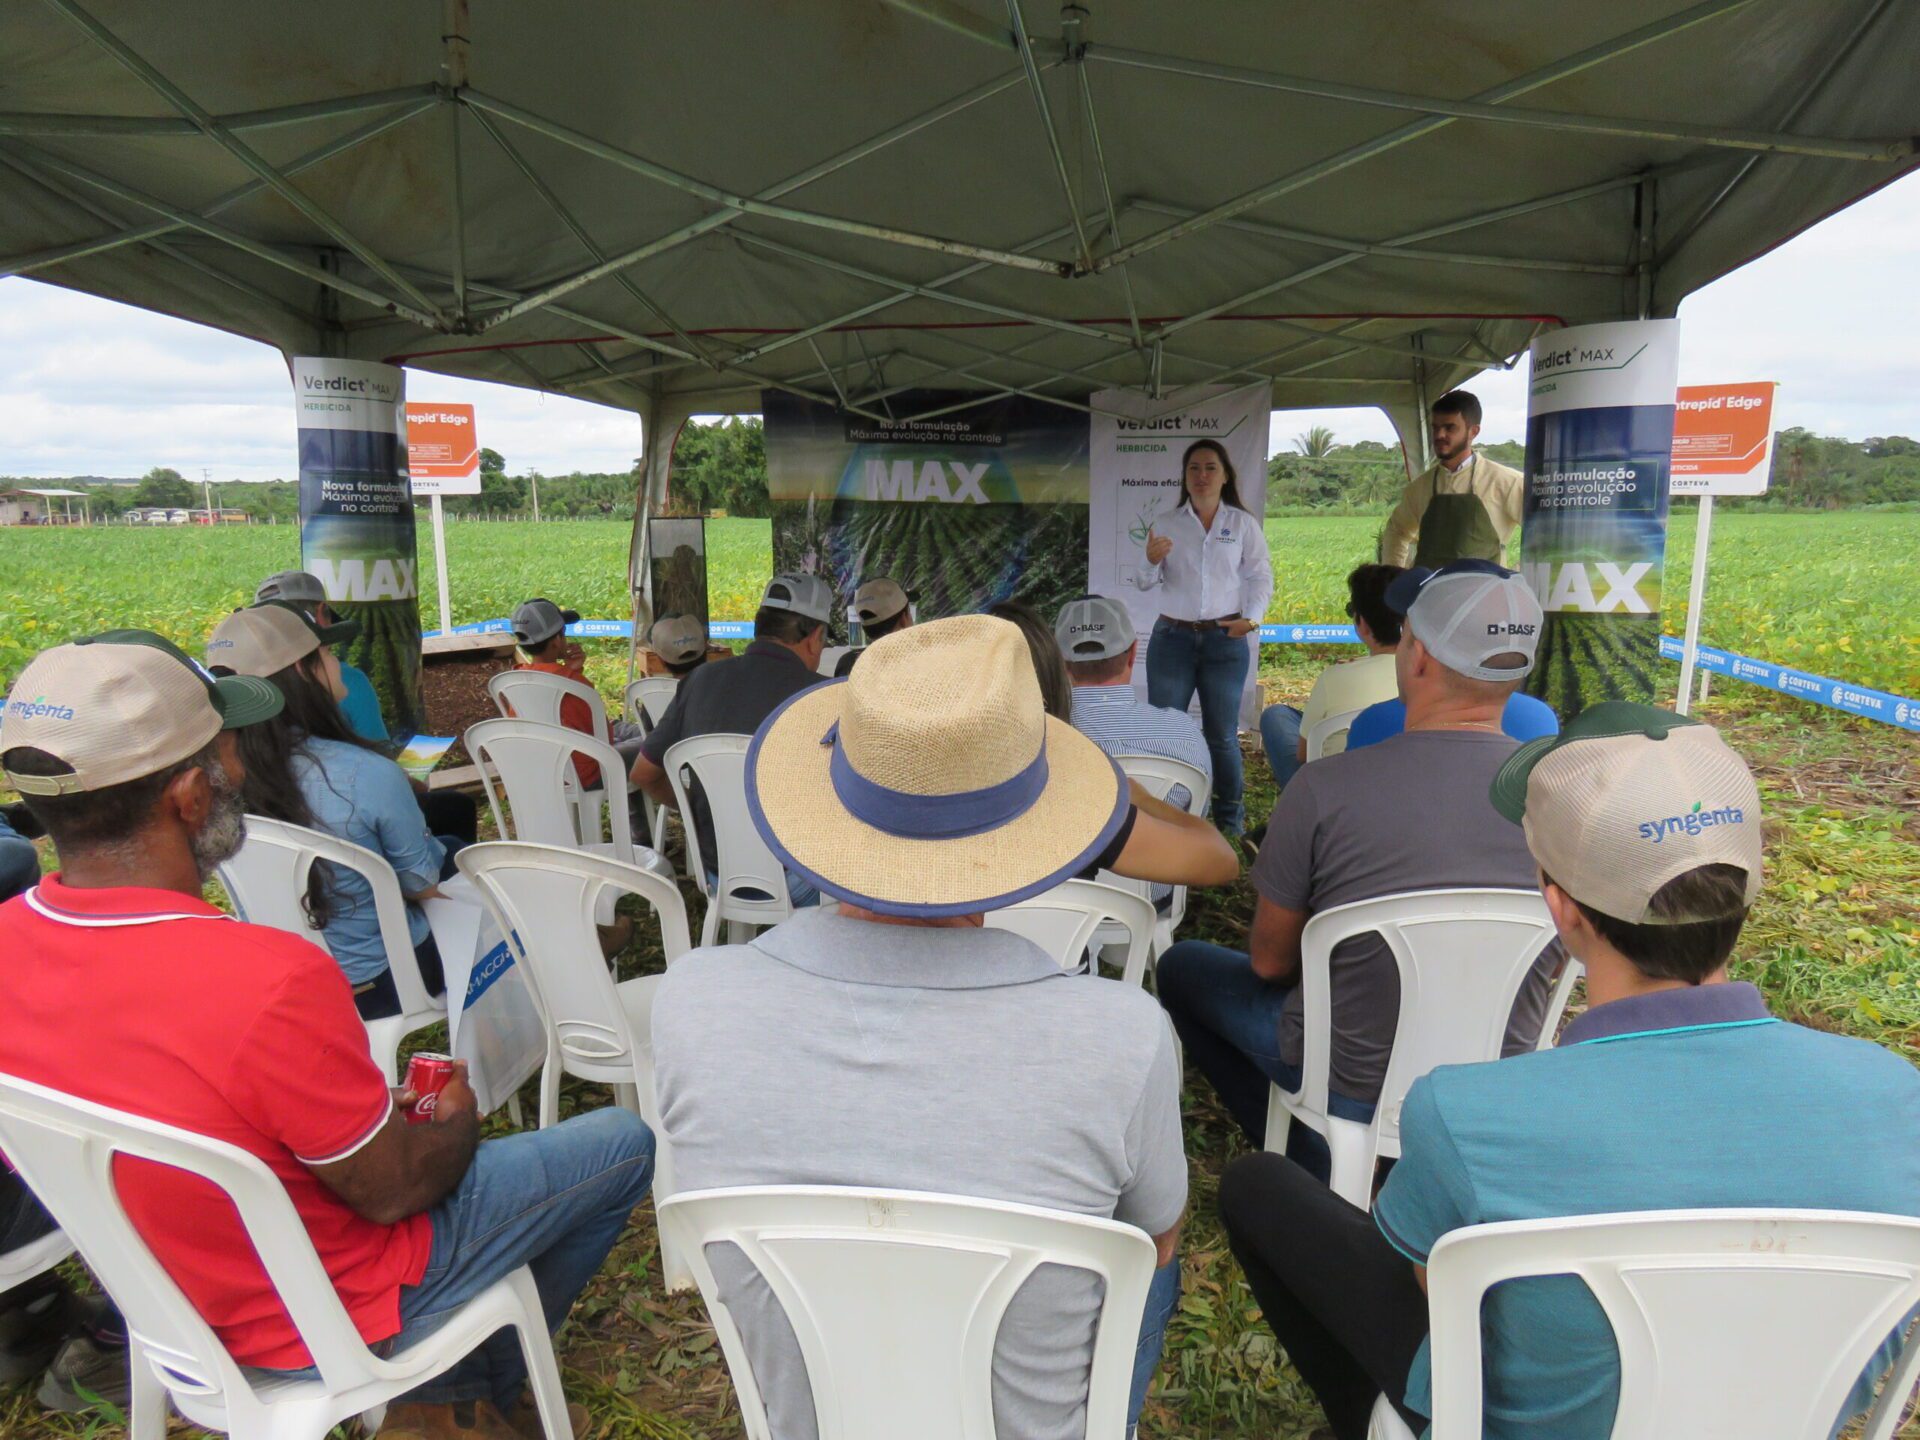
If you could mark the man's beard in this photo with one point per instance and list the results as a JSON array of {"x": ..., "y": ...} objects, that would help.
[{"x": 226, "y": 828}]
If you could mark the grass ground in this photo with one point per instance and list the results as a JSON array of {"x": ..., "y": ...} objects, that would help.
[{"x": 1834, "y": 942}]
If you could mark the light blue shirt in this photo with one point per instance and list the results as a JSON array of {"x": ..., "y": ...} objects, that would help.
[
  {"x": 363, "y": 797},
  {"x": 362, "y": 706},
  {"x": 1116, "y": 719},
  {"x": 1524, "y": 719},
  {"x": 1682, "y": 1099}
]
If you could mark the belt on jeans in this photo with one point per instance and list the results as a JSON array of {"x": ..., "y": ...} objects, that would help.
[{"x": 1198, "y": 626}]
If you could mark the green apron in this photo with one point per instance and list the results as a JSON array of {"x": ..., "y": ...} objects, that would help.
[{"x": 1457, "y": 527}]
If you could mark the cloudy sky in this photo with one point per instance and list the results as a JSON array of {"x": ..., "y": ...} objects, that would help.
[{"x": 1831, "y": 316}]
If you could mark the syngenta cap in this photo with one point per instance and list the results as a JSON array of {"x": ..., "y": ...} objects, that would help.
[
  {"x": 677, "y": 639},
  {"x": 1626, "y": 798},
  {"x": 878, "y": 601},
  {"x": 1093, "y": 628},
  {"x": 265, "y": 639},
  {"x": 120, "y": 706},
  {"x": 806, "y": 595},
  {"x": 537, "y": 621},
  {"x": 1469, "y": 612},
  {"x": 296, "y": 585}
]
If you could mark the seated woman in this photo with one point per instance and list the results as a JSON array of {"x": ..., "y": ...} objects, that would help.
[{"x": 307, "y": 767}]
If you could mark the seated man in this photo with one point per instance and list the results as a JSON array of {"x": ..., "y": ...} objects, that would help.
[
  {"x": 1411, "y": 814},
  {"x": 249, "y": 1035},
  {"x": 304, "y": 592},
  {"x": 1675, "y": 1089},
  {"x": 879, "y": 608},
  {"x": 1350, "y": 685},
  {"x": 540, "y": 630},
  {"x": 681, "y": 643},
  {"x": 789, "y": 632},
  {"x": 897, "y": 1043}
]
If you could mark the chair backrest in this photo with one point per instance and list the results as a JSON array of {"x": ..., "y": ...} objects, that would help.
[
  {"x": 535, "y": 695},
  {"x": 546, "y": 897},
  {"x": 267, "y": 881},
  {"x": 648, "y": 698},
  {"x": 1158, "y": 775},
  {"x": 719, "y": 763},
  {"x": 534, "y": 763},
  {"x": 65, "y": 1147},
  {"x": 896, "y": 1297},
  {"x": 1748, "y": 1323},
  {"x": 1463, "y": 956},
  {"x": 1062, "y": 922},
  {"x": 830, "y": 659},
  {"x": 1327, "y": 729}
]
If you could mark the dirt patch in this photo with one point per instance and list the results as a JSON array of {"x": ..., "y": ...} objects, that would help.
[{"x": 454, "y": 688}]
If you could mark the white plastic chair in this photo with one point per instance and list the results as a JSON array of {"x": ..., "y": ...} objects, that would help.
[
  {"x": 895, "y": 1298},
  {"x": 830, "y": 658},
  {"x": 267, "y": 882},
  {"x": 1740, "y": 1323},
  {"x": 535, "y": 695},
  {"x": 1571, "y": 974},
  {"x": 36, "y": 1257},
  {"x": 549, "y": 806},
  {"x": 1159, "y": 776},
  {"x": 1326, "y": 730},
  {"x": 1063, "y": 922},
  {"x": 546, "y": 897},
  {"x": 65, "y": 1149},
  {"x": 744, "y": 864},
  {"x": 1463, "y": 956},
  {"x": 648, "y": 698}
]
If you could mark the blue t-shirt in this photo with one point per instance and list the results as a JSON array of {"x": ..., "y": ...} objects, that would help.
[
  {"x": 1524, "y": 719},
  {"x": 362, "y": 706},
  {"x": 365, "y": 798},
  {"x": 1682, "y": 1099}
]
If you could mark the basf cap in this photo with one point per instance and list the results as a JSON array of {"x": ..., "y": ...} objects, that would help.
[
  {"x": 878, "y": 601},
  {"x": 122, "y": 705},
  {"x": 677, "y": 639},
  {"x": 537, "y": 621},
  {"x": 1468, "y": 612},
  {"x": 299, "y": 586},
  {"x": 1093, "y": 628},
  {"x": 265, "y": 639},
  {"x": 806, "y": 595},
  {"x": 1627, "y": 797}
]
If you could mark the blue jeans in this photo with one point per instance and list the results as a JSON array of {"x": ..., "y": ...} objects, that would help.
[
  {"x": 1179, "y": 662},
  {"x": 1162, "y": 1296},
  {"x": 553, "y": 1199},
  {"x": 1228, "y": 1019},
  {"x": 19, "y": 862},
  {"x": 1280, "y": 738}
]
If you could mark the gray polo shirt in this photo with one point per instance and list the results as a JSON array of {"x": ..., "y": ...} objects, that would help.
[
  {"x": 835, "y": 1051},
  {"x": 1410, "y": 813}
]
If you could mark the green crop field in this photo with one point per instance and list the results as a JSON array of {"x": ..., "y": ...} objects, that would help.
[{"x": 1834, "y": 941}]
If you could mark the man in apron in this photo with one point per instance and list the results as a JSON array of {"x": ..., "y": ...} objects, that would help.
[{"x": 1462, "y": 507}]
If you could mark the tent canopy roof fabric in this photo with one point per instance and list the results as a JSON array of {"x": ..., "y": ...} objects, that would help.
[{"x": 669, "y": 207}]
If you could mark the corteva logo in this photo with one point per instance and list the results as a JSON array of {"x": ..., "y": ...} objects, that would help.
[
  {"x": 1802, "y": 684},
  {"x": 1691, "y": 823},
  {"x": 38, "y": 708}
]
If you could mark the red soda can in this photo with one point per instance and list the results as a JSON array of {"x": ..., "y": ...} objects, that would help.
[{"x": 427, "y": 1076}]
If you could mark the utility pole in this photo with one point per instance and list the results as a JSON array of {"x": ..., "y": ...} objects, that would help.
[
  {"x": 206, "y": 480},
  {"x": 534, "y": 479}
]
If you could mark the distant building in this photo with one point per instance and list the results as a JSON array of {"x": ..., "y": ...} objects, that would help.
[{"x": 42, "y": 507}]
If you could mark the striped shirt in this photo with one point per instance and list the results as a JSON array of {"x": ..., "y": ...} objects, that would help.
[{"x": 1116, "y": 719}]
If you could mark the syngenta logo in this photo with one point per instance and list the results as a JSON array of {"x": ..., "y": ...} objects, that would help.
[
  {"x": 38, "y": 708},
  {"x": 1692, "y": 823}
]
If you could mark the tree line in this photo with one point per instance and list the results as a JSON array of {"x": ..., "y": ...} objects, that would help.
[{"x": 722, "y": 467}]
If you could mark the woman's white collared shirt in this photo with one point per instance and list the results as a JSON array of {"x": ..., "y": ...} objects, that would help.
[{"x": 1213, "y": 573}]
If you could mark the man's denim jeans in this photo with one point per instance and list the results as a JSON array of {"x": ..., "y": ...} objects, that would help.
[
  {"x": 1163, "y": 1295},
  {"x": 1280, "y": 738}
]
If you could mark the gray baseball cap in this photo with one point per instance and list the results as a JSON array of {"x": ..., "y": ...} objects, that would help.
[
  {"x": 1093, "y": 628},
  {"x": 537, "y": 621},
  {"x": 677, "y": 639},
  {"x": 299, "y": 586},
  {"x": 806, "y": 595},
  {"x": 1468, "y": 612},
  {"x": 879, "y": 600}
]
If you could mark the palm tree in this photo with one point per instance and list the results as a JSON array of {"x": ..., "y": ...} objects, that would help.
[{"x": 1316, "y": 444}]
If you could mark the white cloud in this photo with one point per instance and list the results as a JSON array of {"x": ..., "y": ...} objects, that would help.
[{"x": 89, "y": 387}]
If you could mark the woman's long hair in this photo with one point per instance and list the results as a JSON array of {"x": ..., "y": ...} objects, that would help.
[
  {"x": 1056, "y": 686},
  {"x": 1229, "y": 492}
]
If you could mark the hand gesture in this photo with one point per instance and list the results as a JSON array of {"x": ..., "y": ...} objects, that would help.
[
  {"x": 456, "y": 1100},
  {"x": 1158, "y": 547},
  {"x": 1239, "y": 629}
]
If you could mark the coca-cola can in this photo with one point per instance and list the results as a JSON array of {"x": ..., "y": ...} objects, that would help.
[{"x": 427, "y": 1076}]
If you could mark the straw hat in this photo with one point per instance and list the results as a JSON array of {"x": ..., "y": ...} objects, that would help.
[{"x": 933, "y": 782}]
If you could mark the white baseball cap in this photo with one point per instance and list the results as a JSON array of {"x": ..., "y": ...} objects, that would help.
[
  {"x": 878, "y": 601},
  {"x": 1469, "y": 612},
  {"x": 806, "y": 595},
  {"x": 1093, "y": 628}
]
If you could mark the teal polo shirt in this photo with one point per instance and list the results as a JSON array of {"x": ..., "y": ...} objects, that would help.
[{"x": 1678, "y": 1100}]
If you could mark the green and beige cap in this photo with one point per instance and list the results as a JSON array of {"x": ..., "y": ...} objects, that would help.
[
  {"x": 122, "y": 705},
  {"x": 1628, "y": 797}
]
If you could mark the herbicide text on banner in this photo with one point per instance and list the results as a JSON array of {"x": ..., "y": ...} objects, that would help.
[
  {"x": 356, "y": 519},
  {"x": 1600, "y": 408}
]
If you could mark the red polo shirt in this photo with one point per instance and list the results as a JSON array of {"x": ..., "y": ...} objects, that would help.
[{"x": 155, "y": 1003}]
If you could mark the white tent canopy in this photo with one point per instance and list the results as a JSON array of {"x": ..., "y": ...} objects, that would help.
[{"x": 669, "y": 207}]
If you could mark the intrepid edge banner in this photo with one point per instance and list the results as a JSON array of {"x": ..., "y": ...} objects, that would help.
[
  {"x": 356, "y": 519},
  {"x": 966, "y": 508},
  {"x": 1600, "y": 412}
]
